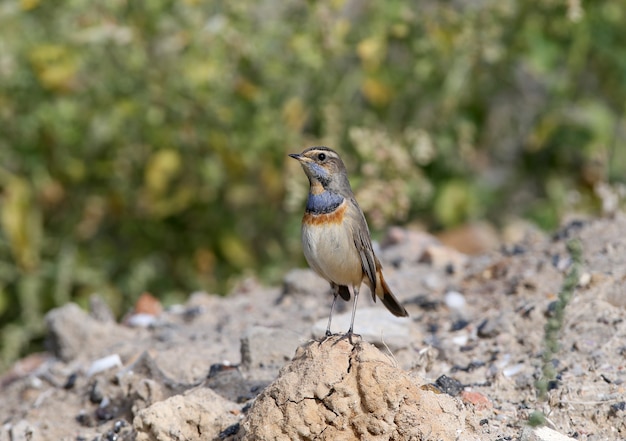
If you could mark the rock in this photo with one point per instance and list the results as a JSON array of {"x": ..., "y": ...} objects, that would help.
[
  {"x": 448, "y": 385},
  {"x": 442, "y": 257},
  {"x": 336, "y": 390},
  {"x": 199, "y": 414},
  {"x": 99, "y": 310},
  {"x": 263, "y": 347},
  {"x": 376, "y": 325},
  {"x": 455, "y": 301},
  {"x": 616, "y": 296},
  {"x": 475, "y": 238},
  {"x": 72, "y": 332},
  {"x": 147, "y": 383},
  {"x": 304, "y": 281},
  {"x": 25, "y": 431},
  {"x": 490, "y": 328},
  {"x": 478, "y": 400},
  {"x": 104, "y": 363},
  {"x": 229, "y": 382},
  {"x": 405, "y": 246},
  {"x": 543, "y": 434}
]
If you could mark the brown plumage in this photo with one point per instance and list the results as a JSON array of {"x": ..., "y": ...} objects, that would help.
[{"x": 335, "y": 236}]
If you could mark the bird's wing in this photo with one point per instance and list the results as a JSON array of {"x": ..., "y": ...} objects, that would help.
[{"x": 363, "y": 243}]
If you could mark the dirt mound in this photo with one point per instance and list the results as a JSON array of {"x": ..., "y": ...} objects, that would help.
[{"x": 490, "y": 345}]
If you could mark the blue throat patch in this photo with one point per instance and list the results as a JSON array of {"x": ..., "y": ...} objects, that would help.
[{"x": 322, "y": 203}]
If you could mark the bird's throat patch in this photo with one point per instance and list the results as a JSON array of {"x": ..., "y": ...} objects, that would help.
[{"x": 325, "y": 202}]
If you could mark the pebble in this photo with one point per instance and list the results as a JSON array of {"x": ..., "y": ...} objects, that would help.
[
  {"x": 478, "y": 400},
  {"x": 617, "y": 408},
  {"x": 513, "y": 370},
  {"x": 405, "y": 246},
  {"x": 449, "y": 385},
  {"x": 433, "y": 282},
  {"x": 461, "y": 339},
  {"x": 584, "y": 280},
  {"x": 148, "y": 304},
  {"x": 455, "y": 300},
  {"x": 103, "y": 364},
  {"x": 442, "y": 257},
  {"x": 264, "y": 347},
  {"x": 303, "y": 281},
  {"x": 489, "y": 328},
  {"x": 141, "y": 320},
  {"x": 544, "y": 434}
]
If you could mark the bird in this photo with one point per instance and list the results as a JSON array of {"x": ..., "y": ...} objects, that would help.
[{"x": 336, "y": 240}]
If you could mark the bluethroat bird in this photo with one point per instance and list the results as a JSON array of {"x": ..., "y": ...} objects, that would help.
[{"x": 335, "y": 236}]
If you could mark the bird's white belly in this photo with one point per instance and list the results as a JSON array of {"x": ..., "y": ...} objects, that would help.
[{"x": 330, "y": 251}]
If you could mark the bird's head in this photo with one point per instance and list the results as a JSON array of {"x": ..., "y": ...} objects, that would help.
[{"x": 324, "y": 168}]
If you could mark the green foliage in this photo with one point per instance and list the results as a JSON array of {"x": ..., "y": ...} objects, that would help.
[
  {"x": 555, "y": 322},
  {"x": 143, "y": 144}
]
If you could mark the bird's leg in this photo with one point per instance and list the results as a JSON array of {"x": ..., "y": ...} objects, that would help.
[
  {"x": 356, "y": 299},
  {"x": 332, "y": 307}
]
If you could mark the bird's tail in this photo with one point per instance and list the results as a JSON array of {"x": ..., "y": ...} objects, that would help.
[{"x": 386, "y": 296}]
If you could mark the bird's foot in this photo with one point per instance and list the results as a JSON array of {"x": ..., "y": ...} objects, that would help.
[{"x": 349, "y": 335}]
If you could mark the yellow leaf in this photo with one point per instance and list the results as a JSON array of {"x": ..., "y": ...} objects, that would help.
[
  {"x": 376, "y": 92},
  {"x": 54, "y": 65},
  {"x": 371, "y": 51},
  {"x": 163, "y": 166},
  {"x": 28, "y": 5},
  {"x": 21, "y": 222},
  {"x": 235, "y": 252}
]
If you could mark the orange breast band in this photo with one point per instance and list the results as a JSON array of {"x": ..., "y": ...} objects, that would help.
[{"x": 334, "y": 217}]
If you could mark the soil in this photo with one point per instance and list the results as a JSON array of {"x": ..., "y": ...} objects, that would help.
[{"x": 526, "y": 333}]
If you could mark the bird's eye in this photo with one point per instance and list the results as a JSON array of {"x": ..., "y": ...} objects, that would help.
[{"x": 321, "y": 156}]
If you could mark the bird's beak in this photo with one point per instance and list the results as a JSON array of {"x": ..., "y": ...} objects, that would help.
[{"x": 297, "y": 156}]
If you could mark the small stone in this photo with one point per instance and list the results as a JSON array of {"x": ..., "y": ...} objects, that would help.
[
  {"x": 617, "y": 408},
  {"x": 263, "y": 347},
  {"x": 141, "y": 320},
  {"x": 228, "y": 381},
  {"x": 99, "y": 310},
  {"x": 427, "y": 303},
  {"x": 584, "y": 280},
  {"x": 103, "y": 364},
  {"x": 473, "y": 238},
  {"x": 489, "y": 328},
  {"x": 442, "y": 257},
  {"x": 455, "y": 301},
  {"x": 459, "y": 324},
  {"x": 73, "y": 333},
  {"x": 96, "y": 393},
  {"x": 25, "y": 431},
  {"x": 71, "y": 381},
  {"x": 148, "y": 304},
  {"x": 460, "y": 339},
  {"x": 476, "y": 399},
  {"x": 513, "y": 370},
  {"x": 543, "y": 434},
  {"x": 304, "y": 281},
  {"x": 449, "y": 385},
  {"x": 402, "y": 245},
  {"x": 617, "y": 296},
  {"x": 198, "y": 414},
  {"x": 433, "y": 282}
]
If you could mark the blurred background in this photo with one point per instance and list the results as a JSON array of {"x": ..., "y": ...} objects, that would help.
[{"x": 143, "y": 144}]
